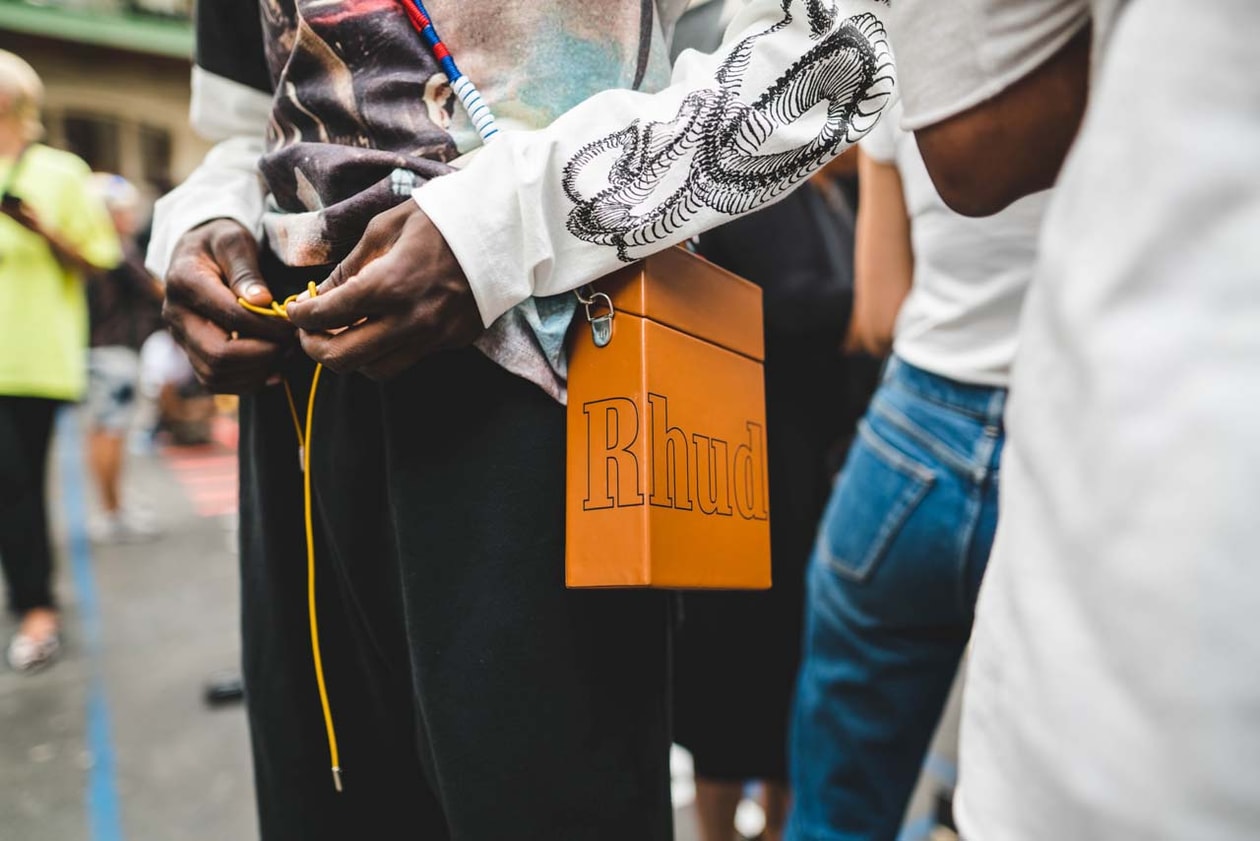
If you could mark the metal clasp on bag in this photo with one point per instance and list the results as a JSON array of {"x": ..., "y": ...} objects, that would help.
[{"x": 601, "y": 323}]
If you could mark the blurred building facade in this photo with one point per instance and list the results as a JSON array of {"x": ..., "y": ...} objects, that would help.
[{"x": 117, "y": 80}]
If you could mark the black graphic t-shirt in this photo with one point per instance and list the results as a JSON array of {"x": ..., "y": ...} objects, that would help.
[{"x": 362, "y": 114}]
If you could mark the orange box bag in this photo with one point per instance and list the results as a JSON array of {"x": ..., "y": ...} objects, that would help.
[{"x": 667, "y": 474}]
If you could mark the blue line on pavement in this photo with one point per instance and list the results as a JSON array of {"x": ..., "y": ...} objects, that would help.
[
  {"x": 919, "y": 830},
  {"x": 104, "y": 820}
]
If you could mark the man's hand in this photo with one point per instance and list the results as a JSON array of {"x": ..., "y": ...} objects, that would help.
[
  {"x": 232, "y": 350},
  {"x": 398, "y": 297}
]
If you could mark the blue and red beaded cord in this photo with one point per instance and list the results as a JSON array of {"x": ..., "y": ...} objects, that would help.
[{"x": 480, "y": 114}]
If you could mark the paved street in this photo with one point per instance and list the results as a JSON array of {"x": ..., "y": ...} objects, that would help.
[{"x": 114, "y": 743}]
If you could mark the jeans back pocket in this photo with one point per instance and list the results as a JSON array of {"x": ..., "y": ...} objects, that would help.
[{"x": 875, "y": 495}]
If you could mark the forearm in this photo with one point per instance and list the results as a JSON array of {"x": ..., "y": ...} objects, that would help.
[
  {"x": 626, "y": 174},
  {"x": 63, "y": 250},
  {"x": 883, "y": 256},
  {"x": 70, "y": 257}
]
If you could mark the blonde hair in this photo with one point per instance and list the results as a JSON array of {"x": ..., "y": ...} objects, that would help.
[{"x": 21, "y": 94}]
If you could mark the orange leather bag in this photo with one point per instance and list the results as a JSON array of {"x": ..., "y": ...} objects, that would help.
[{"x": 667, "y": 475}]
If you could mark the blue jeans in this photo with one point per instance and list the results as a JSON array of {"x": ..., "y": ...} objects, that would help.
[{"x": 891, "y": 589}]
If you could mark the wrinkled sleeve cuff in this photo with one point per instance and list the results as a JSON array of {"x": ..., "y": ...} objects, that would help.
[
  {"x": 226, "y": 186},
  {"x": 476, "y": 241}
]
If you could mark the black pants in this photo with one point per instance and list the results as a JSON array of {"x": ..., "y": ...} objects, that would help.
[
  {"x": 475, "y": 698},
  {"x": 25, "y": 549}
]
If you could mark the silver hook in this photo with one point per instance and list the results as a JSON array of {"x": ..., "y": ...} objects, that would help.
[{"x": 601, "y": 325}]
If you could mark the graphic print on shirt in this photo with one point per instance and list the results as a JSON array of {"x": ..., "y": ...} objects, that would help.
[
  {"x": 362, "y": 113},
  {"x": 350, "y": 133},
  {"x": 723, "y": 134}
]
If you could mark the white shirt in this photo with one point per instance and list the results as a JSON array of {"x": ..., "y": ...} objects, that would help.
[
  {"x": 961, "y": 317},
  {"x": 1114, "y": 683}
]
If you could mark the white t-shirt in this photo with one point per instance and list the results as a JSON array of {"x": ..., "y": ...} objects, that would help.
[
  {"x": 961, "y": 317},
  {"x": 1114, "y": 683}
]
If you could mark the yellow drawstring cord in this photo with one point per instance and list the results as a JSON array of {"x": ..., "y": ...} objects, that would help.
[{"x": 277, "y": 310}]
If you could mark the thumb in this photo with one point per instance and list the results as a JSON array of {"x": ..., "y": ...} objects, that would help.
[{"x": 236, "y": 252}]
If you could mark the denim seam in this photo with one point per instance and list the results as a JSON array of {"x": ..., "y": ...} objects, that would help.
[
  {"x": 997, "y": 407},
  {"x": 893, "y": 520},
  {"x": 894, "y": 456},
  {"x": 967, "y": 536},
  {"x": 974, "y": 414},
  {"x": 985, "y": 452},
  {"x": 910, "y": 428}
]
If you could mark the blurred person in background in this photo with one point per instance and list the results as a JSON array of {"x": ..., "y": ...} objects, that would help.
[
  {"x": 124, "y": 308},
  {"x": 907, "y": 533},
  {"x": 182, "y": 406},
  {"x": 54, "y": 234},
  {"x": 737, "y": 654}
]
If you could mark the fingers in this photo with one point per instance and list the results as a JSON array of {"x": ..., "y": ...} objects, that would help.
[
  {"x": 194, "y": 284},
  {"x": 351, "y": 349},
  {"x": 383, "y": 346},
  {"x": 397, "y": 297},
  {"x": 224, "y": 365},
  {"x": 236, "y": 253},
  {"x": 197, "y": 282},
  {"x": 359, "y": 285},
  {"x": 213, "y": 266},
  {"x": 380, "y": 235},
  {"x": 349, "y": 301}
]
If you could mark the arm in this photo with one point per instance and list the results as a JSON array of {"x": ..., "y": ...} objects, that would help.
[
  {"x": 994, "y": 93},
  {"x": 626, "y": 174},
  {"x": 883, "y": 259},
  {"x": 620, "y": 176},
  {"x": 1018, "y": 139},
  {"x": 231, "y": 104},
  {"x": 205, "y": 232},
  {"x": 66, "y": 252},
  {"x": 226, "y": 186}
]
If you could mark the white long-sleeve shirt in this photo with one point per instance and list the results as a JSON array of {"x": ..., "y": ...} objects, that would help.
[{"x": 605, "y": 154}]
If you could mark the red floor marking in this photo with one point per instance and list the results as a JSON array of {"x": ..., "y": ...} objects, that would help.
[
  {"x": 208, "y": 479},
  {"x": 208, "y": 473},
  {"x": 226, "y": 431}
]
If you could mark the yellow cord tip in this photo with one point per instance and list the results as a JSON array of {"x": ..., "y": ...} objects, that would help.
[{"x": 337, "y": 779}]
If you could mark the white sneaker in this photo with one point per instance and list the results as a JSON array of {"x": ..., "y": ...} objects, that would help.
[
  {"x": 27, "y": 654},
  {"x": 124, "y": 528}
]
